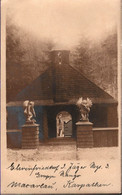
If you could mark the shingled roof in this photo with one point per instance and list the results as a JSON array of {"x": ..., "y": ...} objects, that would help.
[{"x": 62, "y": 84}]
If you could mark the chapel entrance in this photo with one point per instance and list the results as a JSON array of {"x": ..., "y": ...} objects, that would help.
[
  {"x": 68, "y": 114},
  {"x": 63, "y": 124}
]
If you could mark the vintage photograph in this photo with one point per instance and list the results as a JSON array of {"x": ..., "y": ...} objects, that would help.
[
  {"x": 61, "y": 78},
  {"x": 60, "y": 96}
]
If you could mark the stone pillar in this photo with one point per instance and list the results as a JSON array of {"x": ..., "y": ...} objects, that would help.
[
  {"x": 84, "y": 134},
  {"x": 30, "y": 136}
]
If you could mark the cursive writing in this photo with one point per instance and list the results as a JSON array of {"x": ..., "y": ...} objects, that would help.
[
  {"x": 18, "y": 167},
  {"x": 26, "y": 185},
  {"x": 38, "y": 175},
  {"x": 72, "y": 184}
]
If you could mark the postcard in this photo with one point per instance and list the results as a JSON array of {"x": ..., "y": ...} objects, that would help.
[{"x": 60, "y": 97}]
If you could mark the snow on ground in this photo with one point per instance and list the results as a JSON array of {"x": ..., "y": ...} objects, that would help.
[{"x": 64, "y": 152}]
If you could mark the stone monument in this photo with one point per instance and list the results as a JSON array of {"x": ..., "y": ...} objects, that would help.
[
  {"x": 84, "y": 127},
  {"x": 30, "y": 131}
]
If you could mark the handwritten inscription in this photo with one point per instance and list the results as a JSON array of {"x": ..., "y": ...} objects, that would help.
[
  {"x": 18, "y": 167},
  {"x": 72, "y": 184},
  {"x": 23, "y": 185},
  {"x": 38, "y": 175},
  {"x": 47, "y": 175}
]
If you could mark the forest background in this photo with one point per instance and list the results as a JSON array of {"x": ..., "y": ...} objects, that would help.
[{"x": 28, "y": 56}]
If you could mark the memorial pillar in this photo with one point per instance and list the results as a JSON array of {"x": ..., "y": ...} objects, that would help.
[
  {"x": 84, "y": 134},
  {"x": 30, "y": 136},
  {"x": 30, "y": 131}
]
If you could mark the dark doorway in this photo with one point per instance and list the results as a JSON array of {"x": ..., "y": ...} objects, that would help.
[{"x": 70, "y": 117}]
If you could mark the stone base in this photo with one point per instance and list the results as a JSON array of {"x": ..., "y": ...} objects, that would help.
[
  {"x": 30, "y": 136},
  {"x": 84, "y": 134}
]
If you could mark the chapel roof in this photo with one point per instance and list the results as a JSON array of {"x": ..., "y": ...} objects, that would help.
[{"x": 62, "y": 84}]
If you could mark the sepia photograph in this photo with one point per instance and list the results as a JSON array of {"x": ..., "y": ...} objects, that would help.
[{"x": 62, "y": 96}]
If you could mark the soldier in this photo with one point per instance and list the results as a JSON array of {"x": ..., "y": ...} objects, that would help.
[{"x": 60, "y": 126}]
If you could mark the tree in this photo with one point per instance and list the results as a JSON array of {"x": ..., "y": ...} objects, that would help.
[
  {"x": 26, "y": 58},
  {"x": 98, "y": 62}
]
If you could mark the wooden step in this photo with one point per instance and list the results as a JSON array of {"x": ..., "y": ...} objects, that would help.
[
  {"x": 60, "y": 141},
  {"x": 63, "y": 143}
]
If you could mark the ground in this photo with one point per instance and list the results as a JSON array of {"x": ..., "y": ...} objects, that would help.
[{"x": 63, "y": 152}]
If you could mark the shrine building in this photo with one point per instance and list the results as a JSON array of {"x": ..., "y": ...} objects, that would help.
[{"x": 55, "y": 93}]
